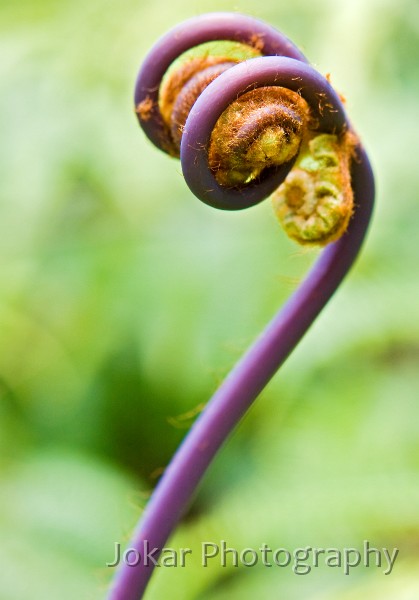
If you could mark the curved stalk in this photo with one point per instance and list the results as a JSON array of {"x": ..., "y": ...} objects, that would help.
[
  {"x": 175, "y": 490},
  {"x": 178, "y": 484}
]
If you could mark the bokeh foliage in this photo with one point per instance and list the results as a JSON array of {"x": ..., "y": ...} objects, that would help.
[{"x": 124, "y": 301}]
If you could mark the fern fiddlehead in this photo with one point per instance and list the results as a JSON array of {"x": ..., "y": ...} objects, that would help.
[{"x": 244, "y": 130}]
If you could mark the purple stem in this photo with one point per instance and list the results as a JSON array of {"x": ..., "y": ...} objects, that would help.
[{"x": 174, "y": 491}]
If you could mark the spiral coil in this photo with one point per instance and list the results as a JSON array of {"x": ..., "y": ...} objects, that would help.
[
  {"x": 322, "y": 189},
  {"x": 232, "y": 159}
]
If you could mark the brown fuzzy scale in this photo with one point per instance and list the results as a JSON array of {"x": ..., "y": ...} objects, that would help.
[
  {"x": 263, "y": 128},
  {"x": 175, "y": 82},
  {"x": 257, "y": 41},
  {"x": 143, "y": 109},
  {"x": 188, "y": 95}
]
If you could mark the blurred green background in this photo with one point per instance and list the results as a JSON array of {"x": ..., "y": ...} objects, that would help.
[{"x": 124, "y": 301}]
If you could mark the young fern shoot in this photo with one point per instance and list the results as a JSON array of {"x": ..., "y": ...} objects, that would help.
[{"x": 244, "y": 130}]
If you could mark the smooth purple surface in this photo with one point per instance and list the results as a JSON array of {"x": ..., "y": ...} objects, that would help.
[
  {"x": 281, "y": 71},
  {"x": 190, "y": 33},
  {"x": 175, "y": 490}
]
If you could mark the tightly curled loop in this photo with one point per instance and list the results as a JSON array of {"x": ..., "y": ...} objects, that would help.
[
  {"x": 263, "y": 128},
  {"x": 193, "y": 32},
  {"x": 240, "y": 127},
  {"x": 326, "y": 109}
]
